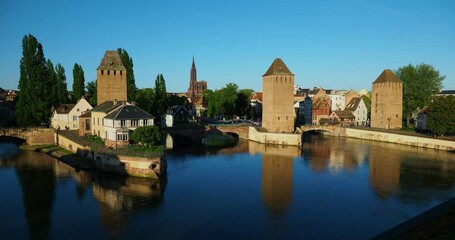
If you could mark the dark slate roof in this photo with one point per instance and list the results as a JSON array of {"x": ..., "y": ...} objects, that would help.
[
  {"x": 278, "y": 68},
  {"x": 106, "y": 106},
  {"x": 64, "y": 108},
  {"x": 111, "y": 61},
  {"x": 344, "y": 114},
  {"x": 447, "y": 92},
  {"x": 387, "y": 76},
  {"x": 127, "y": 112},
  {"x": 177, "y": 108},
  {"x": 353, "y": 104}
]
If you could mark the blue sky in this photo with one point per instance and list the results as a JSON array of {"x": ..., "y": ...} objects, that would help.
[{"x": 333, "y": 44}]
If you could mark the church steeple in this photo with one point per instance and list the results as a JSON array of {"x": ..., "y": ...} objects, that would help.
[{"x": 193, "y": 76}]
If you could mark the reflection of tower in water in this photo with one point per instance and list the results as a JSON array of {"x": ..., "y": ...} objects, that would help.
[
  {"x": 277, "y": 176},
  {"x": 384, "y": 171}
]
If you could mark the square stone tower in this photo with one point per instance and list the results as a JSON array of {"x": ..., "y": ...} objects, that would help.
[
  {"x": 278, "y": 98},
  {"x": 387, "y": 101},
  {"x": 111, "y": 79}
]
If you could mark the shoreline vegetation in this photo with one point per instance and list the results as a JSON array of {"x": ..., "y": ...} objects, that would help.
[{"x": 219, "y": 140}]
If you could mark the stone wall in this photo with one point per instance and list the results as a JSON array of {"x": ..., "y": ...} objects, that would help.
[
  {"x": 33, "y": 136},
  {"x": 111, "y": 86},
  {"x": 401, "y": 139},
  {"x": 68, "y": 144},
  {"x": 275, "y": 138}
]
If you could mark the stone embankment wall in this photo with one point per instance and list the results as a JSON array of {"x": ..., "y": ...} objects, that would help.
[
  {"x": 274, "y": 138},
  {"x": 33, "y": 136},
  {"x": 400, "y": 139}
]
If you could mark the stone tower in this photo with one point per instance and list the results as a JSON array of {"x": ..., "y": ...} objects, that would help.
[
  {"x": 278, "y": 98},
  {"x": 193, "y": 81},
  {"x": 387, "y": 101},
  {"x": 111, "y": 79}
]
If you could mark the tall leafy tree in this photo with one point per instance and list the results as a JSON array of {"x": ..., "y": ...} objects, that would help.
[
  {"x": 91, "y": 90},
  {"x": 32, "y": 108},
  {"x": 160, "y": 97},
  {"x": 242, "y": 104},
  {"x": 145, "y": 99},
  {"x": 441, "y": 115},
  {"x": 78, "y": 82},
  {"x": 420, "y": 84},
  {"x": 51, "y": 97},
  {"x": 62, "y": 90},
  {"x": 130, "y": 81},
  {"x": 221, "y": 101}
]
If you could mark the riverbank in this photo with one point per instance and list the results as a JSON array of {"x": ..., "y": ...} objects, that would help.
[{"x": 63, "y": 155}]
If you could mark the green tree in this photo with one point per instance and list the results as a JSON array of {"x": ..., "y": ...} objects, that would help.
[
  {"x": 32, "y": 108},
  {"x": 160, "y": 97},
  {"x": 222, "y": 101},
  {"x": 78, "y": 82},
  {"x": 51, "y": 97},
  {"x": 91, "y": 90},
  {"x": 62, "y": 90},
  {"x": 145, "y": 99},
  {"x": 441, "y": 115},
  {"x": 367, "y": 102},
  {"x": 147, "y": 135},
  {"x": 176, "y": 100},
  {"x": 130, "y": 81},
  {"x": 242, "y": 104},
  {"x": 420, "y": 84}
]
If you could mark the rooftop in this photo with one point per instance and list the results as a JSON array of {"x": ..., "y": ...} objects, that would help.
[
  {"x": 64, "y": 108},
  {"x": 111, "y": 61},
  {"x": 127, "y": 112},
  {"x": 387, "y": 76},
  {"x": 107, "y": 106},
  {"x": 278, "y": 68}
]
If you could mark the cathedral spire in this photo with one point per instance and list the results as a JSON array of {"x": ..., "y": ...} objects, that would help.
[{"x": 193, "y": 76}]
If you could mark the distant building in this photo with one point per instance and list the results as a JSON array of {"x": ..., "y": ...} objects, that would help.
[
  {"x": 387, "y": 101},
  {"x": 321, "y": 110},
  {"x": 85, "y": 123},
  {"x": 98, "y": 114},
  {"x": 446, "y": 93},
  {"x": 66, "y": 116},
  {"x": 175, "y": 115},
  {"x": 359, "y": 109},
  {"x": 305, "y": 110},
  {"x": 195, "y": 91},
  {"x": 256, "y": 104},
  {"x": 349, "y": 95},
  {"x": 364, "y": 92},
  {"x": 421, "y": 119},
  {"x": 337, "y": 102},
  {"x": 111, "y": 79},
  {"x": 344, "y": 118},
  {"x": 278, "y": 98}
]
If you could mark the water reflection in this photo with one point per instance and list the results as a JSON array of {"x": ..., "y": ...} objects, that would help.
[{"x": 39, "y": 173}]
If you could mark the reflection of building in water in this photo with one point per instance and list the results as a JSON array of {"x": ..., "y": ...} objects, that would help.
[
  {"x": 277, "y": 175},
  {"x": 118, "y": 195},
  {"x": 384, "y": 171}
]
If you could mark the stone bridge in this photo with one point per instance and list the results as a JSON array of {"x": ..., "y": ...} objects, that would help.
[
  {"x": 325, "y": 129},
  {"x": 195, "y": 133},
  {"x": 33, "y": 136},
  {"x": 240, "y": 130}
]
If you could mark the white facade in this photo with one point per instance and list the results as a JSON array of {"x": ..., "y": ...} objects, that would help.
[
  {"x": 113, "y": 127},
  {"x": 70, "y": 120},
  {"x": 337, "y": 102},
  {"x": 361, "y": 113}
]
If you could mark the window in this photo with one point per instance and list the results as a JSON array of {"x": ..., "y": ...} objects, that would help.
[
  {"x": 78, "y": 109},
  {"x": 119, "y": 137},
  {"x": 125, "y": 137},
  {"x": 102, "y": 72},
  {"x": 144, "y": 122},
  {"x": 74, "y": 117},
  {"x": 115, "y": 72},
  {"x": 98, "y": 121},
  {"x": 134, "y": 123},
  {"x": 122, "y": 123},
  {"x": 121, "y": 72},
  {"x": 108, "y": 72}
]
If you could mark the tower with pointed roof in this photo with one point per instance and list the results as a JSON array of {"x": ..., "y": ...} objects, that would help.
[
  {"x": 387, "y": 101},
  {"x": 278, "y": 98},
  {"x": 111, "y": 79}
]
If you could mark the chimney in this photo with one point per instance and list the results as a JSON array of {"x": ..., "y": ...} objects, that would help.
[{"x": 115, "y": 101}]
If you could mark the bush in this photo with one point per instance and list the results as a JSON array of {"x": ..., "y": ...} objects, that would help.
[{"x": 147, "y": 136}]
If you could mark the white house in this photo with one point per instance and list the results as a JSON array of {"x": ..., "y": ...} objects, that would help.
[
  {"x": 175, "y": 115},
  {"x": 120, "y": 124},
  {"x": 66, "y": 116},
  {"x": 359, "y": 109},
  {"x": 336, "y": 102}
]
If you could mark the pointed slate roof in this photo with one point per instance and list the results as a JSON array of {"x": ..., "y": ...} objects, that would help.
[
  {"x": 353, "y": 104},
  {"x": 278, "y": 68},
  {"x": 111, "y": 61},
  {"x": 387, "y": 76}
]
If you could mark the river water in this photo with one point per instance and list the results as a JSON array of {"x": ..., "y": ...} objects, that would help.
[{"x": 333, "y": 188}]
